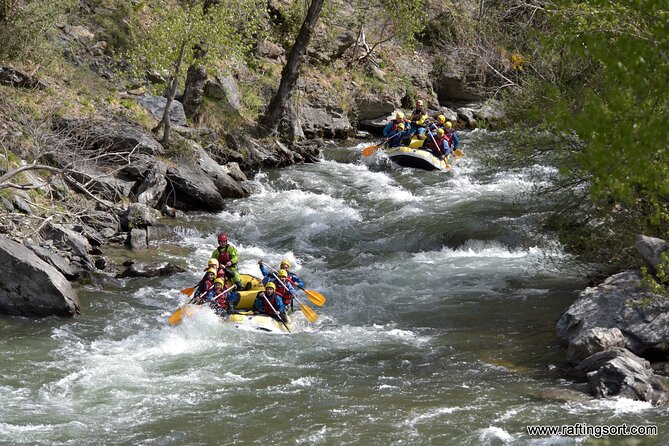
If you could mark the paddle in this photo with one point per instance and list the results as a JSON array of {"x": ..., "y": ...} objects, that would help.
[
  {"x": 314, "y": 296},
  {"x": 307, "y": 311},
  {"x": 371, "y": 149},
  {"x": 274, "y": 310},
  {"x": 459, "y": 153},
  {"x": 188, "y": 291},
  {"x": 177, "y": 316},
  {"x": 448, "y": 166}
]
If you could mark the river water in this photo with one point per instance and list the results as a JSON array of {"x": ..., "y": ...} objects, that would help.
[{"x": 442, "y": 296}]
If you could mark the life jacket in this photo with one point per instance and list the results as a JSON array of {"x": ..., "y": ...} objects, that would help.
[
  {"x": 283, "y": 293},
  {"x": 220, "y": 302},
  {"x": 223, "y": 255},
  {"x": 203, "y": 288},
  {"x": 448, "y": 135},
  {"x": 266, "y": 308}
]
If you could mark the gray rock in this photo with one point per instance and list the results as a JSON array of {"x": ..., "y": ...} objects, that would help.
[
  {"x": 150, "y": 269},
  {"x": 65, "y": 237},
  {"x": 374, "y": 107},
  {"x": 232, "y": 168},
  {"x": 224, "y": 88},
  {"x": 594, "y": 340},
  {"x": 227, "y": 187},
  {"x": 621, "y": 302},
  {"x": 103, "y": 185},
  {"x": 21, "y": 204},
  {"x": 156, "y": 106},
  {"x": 138, "y": 239},
  {"x": 138, "y": 215},
  {"x": 152, "y": 189},
  {"x": 628, "y": 377},
  {"x": 53, "y": 259},
  {"x": 102, "y": 221},
  {"x": 452, "y": 87},
  {"x": 651, "y": 250},
  {"x": 117, "y": 135},
  {"x": 192, "y": 189},
  {"x": 468, "y": 116},
  {"x": 324, "y": 123},
  {"x": 31, "y": 287},
  {"x": 20, "y": 79},
  {"x": 269, "y": 50}
]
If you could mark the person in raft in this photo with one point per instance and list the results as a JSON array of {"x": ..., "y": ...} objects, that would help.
[
  {"x": 285, "y": 265},
  {"x": 205, "y": 285},
  {"x": 223, "y": 302},
  {"x": 267, "y": 301},
  {"x": 227, "y": 257}
]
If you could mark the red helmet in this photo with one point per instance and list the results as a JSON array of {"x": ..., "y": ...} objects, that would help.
[{"x": 222, "y": 239}]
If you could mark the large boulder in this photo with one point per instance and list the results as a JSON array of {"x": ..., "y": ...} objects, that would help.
[
  {"x": 592, "y": 341},
  {"x": 31, "y": 287},
  {"x": 152, "y": 187},
  {"x": 622, "y": 302},
  {"x": 224, "y": 88},
  {"x": 149, "y": 269},
  {"x": 192, "y": 189},
  {"x": 227, "y": 186}
]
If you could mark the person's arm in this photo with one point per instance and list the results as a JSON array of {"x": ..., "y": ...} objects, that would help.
[
  {"x": 387, "y": 128},
  {"x": 263, "y": 269},
  {"x": 456, "y": 142},
  {"x": 297, "y": 281},
  {"x": 234, "y": 255},
  {"x": 214, "y": 255}
]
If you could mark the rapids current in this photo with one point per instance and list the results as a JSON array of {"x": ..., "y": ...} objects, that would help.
[{"x": 438, "y": 329}]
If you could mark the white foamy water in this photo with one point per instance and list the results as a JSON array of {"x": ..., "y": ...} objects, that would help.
[{"x": 437, "y": 330}]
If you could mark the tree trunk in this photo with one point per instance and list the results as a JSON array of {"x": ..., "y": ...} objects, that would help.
[
  {"x": 172, "y": 92},
  {"x": 290, "y": 72}
]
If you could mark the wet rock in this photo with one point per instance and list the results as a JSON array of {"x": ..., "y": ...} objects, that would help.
[
  {"x": 161, "y": 235},
  {"x": 192, "y": 189},
  {"x": 138, "y": 215},
  {"x": 138, "y": 240},
  {"x": 467, "y": 115},
  {"x": 621, "y": 302},
  {"x": 105, "y": 222},
  {"x": 31, "y": 287},
  {"x": 149, "y": 269},
  {"x": 618, "y": 372},
  {"x": 588, "y": 342},
  {"x": 226, "y": 185}
]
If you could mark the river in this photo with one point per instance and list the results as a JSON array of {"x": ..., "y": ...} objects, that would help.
[{"x": 439, "y": 327}]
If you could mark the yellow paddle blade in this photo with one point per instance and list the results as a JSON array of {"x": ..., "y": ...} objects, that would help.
[
  {"x": 188, "y": 291},
  {"x": 176, "y": 317},
  {"x": 369, "y": 150},
  {"x": 308, "y": 313},
  {"x": 315, "y": 297},
  {"x": 459, "y": 153}
]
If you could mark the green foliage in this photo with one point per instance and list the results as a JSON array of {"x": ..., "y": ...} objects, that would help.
[
  {"x": 26, "y": 26},
  {"x": 601, "y": 82},
  {"x": 219, "y": 31}
]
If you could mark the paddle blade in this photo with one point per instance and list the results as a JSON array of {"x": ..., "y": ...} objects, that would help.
[
  {"x": 188, "y": 291},
  {"x": 309, "y": 313},
  {"x": 459, "y": 153},
  {"x": 369, "y": 150},
  {"x": 316, "y": 297},
  {"x": 176, "y": 317}
]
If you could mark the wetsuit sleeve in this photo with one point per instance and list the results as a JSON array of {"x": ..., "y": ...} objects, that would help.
[
  {"x": 264, "y": 270},
  {"x": 234, "y": 255},
  {"x": 456, "y": 142}
]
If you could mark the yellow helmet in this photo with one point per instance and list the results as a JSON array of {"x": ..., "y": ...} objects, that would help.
[
  {"x": 213, "y": 262},
  {"x": 283, "y": 273},
  {"x": 441, "y": 118},
  {"x": 401, "y": 126},
  {"x": 285, "y": 262},
  {"x": 271, "y": 285},
  {"x": 212, "y": 270},
  {"x": 219, "y": 280},
  {"x": 440, "y": 131},
  {"x": 399, "y": 115},
  {"x": 448, "y": 125}
]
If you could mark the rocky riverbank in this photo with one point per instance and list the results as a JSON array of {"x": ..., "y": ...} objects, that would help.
[{"x": 618, "y": 333}]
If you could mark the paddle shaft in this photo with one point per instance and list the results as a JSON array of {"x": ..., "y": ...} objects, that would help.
[{"x": 274, "y": 310}]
